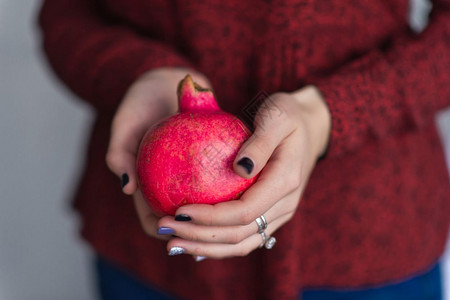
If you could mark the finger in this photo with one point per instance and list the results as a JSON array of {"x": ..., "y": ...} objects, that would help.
[
  {"x": 217, "y": 250},
  {"x": 227, "y": 234},
  {"x": 128, "y": 128},
  {"x": 281, "y": 176},
  {"x": 207, "y": 234},
  {"x": 149, "y": 221},
  {"x": 272, "y": 125}
]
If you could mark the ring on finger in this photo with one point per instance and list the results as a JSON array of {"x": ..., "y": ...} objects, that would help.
[
  {"x": 262, "y": 223},
  {"x": 264, "y": 239},
  {"x": 270, "y": 243}
]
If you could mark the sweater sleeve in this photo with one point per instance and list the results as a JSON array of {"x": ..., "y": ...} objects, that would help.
[
  {"x": 390, "y": 90},
  {"x": 96, "y": 58}
]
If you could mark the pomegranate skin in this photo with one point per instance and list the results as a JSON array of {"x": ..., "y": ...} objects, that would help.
[{"x": 188, "y": 158}]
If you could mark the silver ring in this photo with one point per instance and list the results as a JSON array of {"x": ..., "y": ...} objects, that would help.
[
  {"x": 264, "y": 239},
  {"x": 270, "y": 243},
  {"x": 262, "y": 223}
]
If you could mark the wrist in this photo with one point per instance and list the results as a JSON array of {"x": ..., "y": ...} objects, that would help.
[{"x": 317, "y": 116}]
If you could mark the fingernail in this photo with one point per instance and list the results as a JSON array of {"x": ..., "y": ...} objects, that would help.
[
  {"x": 200, "y": 258},
  {"x": 125, "y": 179},
  {"x": 183, "y": 218},
  {"x": 176, "y": 251},
  {"x": 247, "y": 164},
  {"x": 165, "y": 231}
]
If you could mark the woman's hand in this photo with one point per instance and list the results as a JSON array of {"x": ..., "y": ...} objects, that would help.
[
  {"x": 291, "y": 132},
  {"x": 150, "y": 98}
]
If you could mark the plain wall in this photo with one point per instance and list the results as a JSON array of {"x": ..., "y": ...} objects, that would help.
[
  {"x": 43, "y": 137},
  {"x": 43, "y": 134}
]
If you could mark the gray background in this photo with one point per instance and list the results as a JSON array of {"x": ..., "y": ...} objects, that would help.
[{"x": 42, "y": 141}]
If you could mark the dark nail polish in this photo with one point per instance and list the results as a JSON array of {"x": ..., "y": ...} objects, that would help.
[
  {"x": 247, "y": 164},
  {"x": 125, "y": 179},
  {"x": 165, "y": 231},
  {"x": 183, "y": 218}
]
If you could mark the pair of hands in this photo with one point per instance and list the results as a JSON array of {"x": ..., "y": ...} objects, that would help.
[{"x": 286, "y": 144}]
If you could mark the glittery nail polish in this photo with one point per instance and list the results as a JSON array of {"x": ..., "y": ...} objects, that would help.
[
  {"x": 165, "y": 231},
  {"x": 176, "y": 251},
  {"x": 247, "y": 164}
]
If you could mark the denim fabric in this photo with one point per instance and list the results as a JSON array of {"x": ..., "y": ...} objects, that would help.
[
  {"x": 427, "y": 286},
  {"x": 116, "y": 284}
]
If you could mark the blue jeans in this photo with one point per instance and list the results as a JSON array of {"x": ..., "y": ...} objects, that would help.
[{"x": 116, "y": 284}]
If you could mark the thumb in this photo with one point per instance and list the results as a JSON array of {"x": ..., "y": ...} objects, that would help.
[
  {"x": 270, "y": 131},
  {"x": 121, "y": 155},
  {"x": 128, "y": 127}
]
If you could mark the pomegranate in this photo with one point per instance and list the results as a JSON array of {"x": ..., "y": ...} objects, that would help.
[{"x": 188, "y": 158}]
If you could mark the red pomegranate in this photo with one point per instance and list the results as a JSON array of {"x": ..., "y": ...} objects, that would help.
[{"x": 188, "y": 158}]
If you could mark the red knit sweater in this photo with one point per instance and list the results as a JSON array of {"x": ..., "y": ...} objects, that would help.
[{"x": 376, "y": 208}]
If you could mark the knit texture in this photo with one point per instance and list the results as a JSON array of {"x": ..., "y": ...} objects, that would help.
[{"x": 376, "y": 208}]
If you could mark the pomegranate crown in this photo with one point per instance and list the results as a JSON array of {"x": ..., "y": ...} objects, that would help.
[{"x": 194, "y": 98}]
